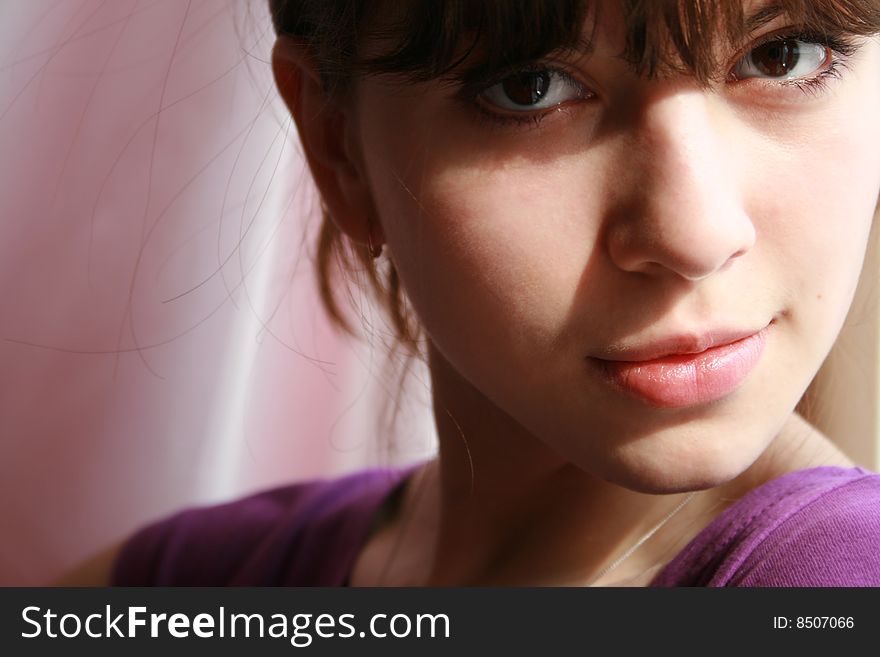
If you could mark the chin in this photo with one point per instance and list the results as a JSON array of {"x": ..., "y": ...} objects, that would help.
[{"x": 661, "y": 467}]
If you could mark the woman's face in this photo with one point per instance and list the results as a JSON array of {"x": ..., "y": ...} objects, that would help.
[{"x": 576, "y": 214}]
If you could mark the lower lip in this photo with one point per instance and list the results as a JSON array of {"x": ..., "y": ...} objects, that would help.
[{"x": 688, "y": 379}]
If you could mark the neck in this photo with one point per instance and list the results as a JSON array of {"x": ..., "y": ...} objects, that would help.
[
  {"x": 526, "y": 514},
  {"x": 529, "y": 517}
]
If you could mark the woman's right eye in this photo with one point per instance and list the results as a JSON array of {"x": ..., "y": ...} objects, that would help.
[{"x": 533, "y": 91}]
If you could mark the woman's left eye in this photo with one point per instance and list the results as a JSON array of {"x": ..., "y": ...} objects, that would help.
[
  {"x": 528, "y": 91},
  {"x": 783, "y": 59}
]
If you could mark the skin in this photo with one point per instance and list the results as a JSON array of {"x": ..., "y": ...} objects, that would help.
[{"x": 651, "y": 207}]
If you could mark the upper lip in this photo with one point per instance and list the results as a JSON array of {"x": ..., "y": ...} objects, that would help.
[{"x": 685, "y": 342}]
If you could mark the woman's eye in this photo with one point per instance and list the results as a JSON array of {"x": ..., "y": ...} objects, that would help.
[
  {"x": 533, "y": 90},
  {"x": 782, "y": 59}
]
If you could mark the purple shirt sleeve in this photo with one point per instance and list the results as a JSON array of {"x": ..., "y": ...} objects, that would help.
[
  {"x": 305, "y": 534},
  {"x": 815, "y": 527}
]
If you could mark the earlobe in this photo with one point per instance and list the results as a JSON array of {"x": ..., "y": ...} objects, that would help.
[{"x": 324, "y": 128}]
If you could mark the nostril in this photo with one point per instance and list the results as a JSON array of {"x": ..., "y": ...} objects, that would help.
[
  {"x": 692, "y": 241},
  {"x": 687, "y": 261},
  {"x": 727, "y": 265}
]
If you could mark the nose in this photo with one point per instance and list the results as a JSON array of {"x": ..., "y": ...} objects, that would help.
[{"x": 679, "y": 210}]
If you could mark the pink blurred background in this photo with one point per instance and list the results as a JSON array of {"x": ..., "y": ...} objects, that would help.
[{"x": 161, "y": 341}]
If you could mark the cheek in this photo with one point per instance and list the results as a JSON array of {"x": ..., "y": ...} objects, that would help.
[
  {"x": 812, "y": 192},
  {"x": 470, "y": 218},
  {"x": 471, "y": 245},
  {"x": 816, "y": 206}
]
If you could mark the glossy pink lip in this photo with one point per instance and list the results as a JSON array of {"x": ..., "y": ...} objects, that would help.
[{"x": 685, "y": 375}]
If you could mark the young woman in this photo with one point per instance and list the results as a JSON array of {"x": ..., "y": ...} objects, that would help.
[{"x": 624, "y": 235}]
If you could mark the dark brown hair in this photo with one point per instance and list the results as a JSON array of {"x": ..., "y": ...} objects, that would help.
[{"x": 427, "y": 39}]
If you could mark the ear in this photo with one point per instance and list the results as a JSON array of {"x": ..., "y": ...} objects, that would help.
[{"x": 327, "y": 133}]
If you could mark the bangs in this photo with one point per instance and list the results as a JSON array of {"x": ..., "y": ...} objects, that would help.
[
  {"x": 692, "y": 27},
  {"x": 427, "y": 39}
]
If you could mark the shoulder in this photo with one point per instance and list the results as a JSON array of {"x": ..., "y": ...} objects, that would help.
[
  {"x": 287, "y": 535},
  {"x": 815, "y": 527},
  {"x": 825, "y": 534}
]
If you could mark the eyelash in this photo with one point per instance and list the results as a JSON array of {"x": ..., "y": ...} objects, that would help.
[
  {"x": 841, "y": 50},
  {"x": 470, "y": 97}
]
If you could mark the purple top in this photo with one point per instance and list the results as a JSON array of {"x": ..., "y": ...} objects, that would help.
[{"x": 815, "y": 527}]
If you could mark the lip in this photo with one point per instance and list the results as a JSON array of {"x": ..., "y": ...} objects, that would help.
[{"x": 685, "y": 369}]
